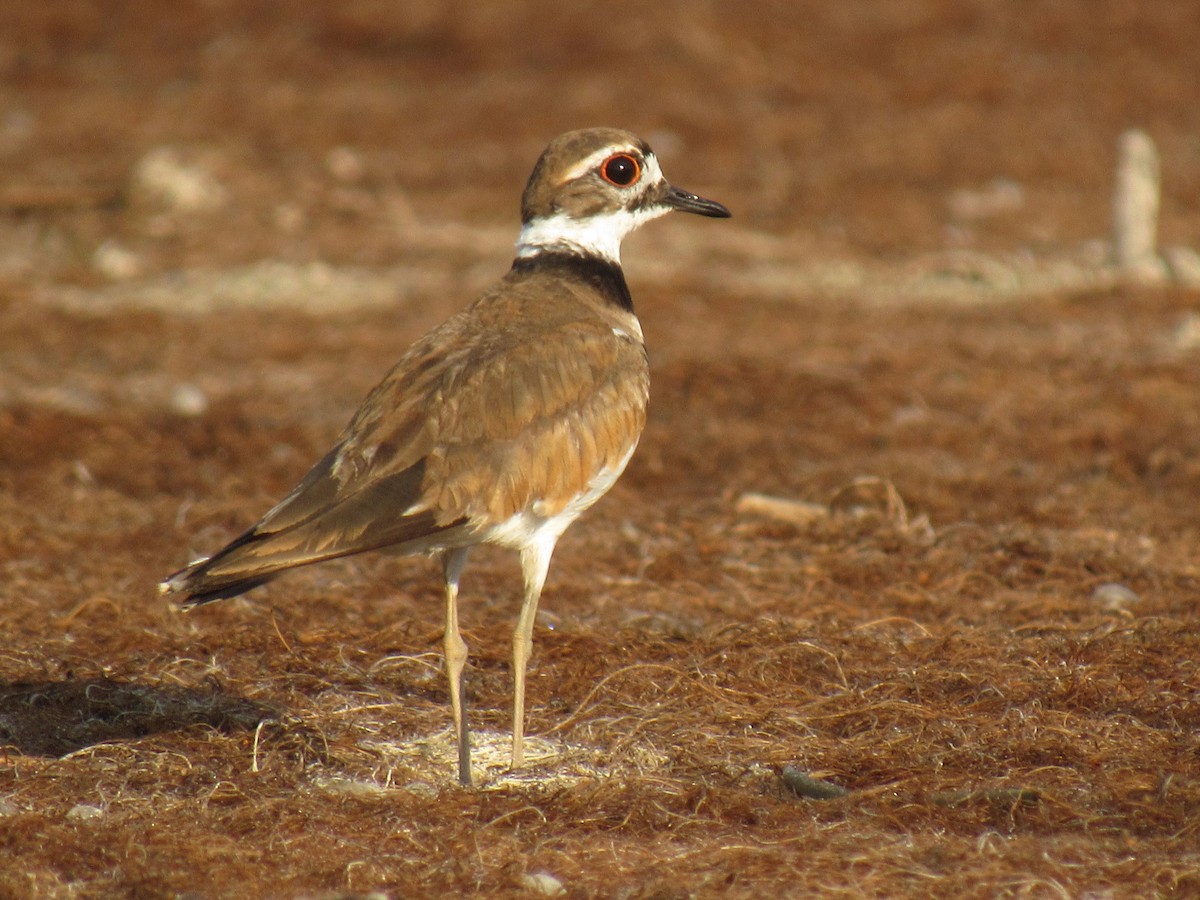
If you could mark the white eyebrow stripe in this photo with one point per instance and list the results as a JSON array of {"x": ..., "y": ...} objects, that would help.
[
  {"x": 651, "y": 172},
  {"x": 590, "y": 162}
]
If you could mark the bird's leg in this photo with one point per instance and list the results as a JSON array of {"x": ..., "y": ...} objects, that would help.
[
  {"x": 535, "y": 562},
  {"x": 455, "y": 648}
]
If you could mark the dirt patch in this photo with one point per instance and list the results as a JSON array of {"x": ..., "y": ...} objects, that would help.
[{"x": 970, "y": 605}]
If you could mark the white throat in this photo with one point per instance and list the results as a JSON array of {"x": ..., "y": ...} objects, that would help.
[{"x": 599, "y": 235}]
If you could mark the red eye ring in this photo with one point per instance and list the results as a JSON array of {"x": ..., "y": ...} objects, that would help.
[{"x": 621, "y": 169}]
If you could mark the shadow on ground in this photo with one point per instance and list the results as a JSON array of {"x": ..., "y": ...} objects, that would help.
[{"x": 55, "y": 718}]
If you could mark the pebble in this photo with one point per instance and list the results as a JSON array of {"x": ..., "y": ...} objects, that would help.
[
  {"x": 804, "y": 785},
  {"x": 82, "y": 812},
  {"x": 188, "y": 400},
  {"x": 1114, "y": 597},
  {"x": 115, "y": 262},
  {"x": 345, "y": 164},
  {"x": 543, "y": 883},
  {"x": 183, "y": 186}
]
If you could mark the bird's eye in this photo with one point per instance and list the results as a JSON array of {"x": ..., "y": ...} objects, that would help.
[{"x": 621, "y": 170}]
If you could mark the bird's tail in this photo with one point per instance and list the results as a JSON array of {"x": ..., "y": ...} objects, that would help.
[
  {"x": 312, "y": 525},
  {"x": 227, "y": 573}
]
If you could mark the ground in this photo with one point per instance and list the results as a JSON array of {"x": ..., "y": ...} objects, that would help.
[{"x": 966, "y": 605}]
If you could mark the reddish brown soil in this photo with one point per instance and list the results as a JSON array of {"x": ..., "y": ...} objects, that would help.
[{"x": 1000, "y": 665}]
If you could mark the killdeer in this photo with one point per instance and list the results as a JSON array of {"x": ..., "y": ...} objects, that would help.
[{"x": 500, "y": 426}]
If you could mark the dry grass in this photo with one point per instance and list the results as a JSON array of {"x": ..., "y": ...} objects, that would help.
[
  {"x": 945, "y": 641},
  {"x": 971, "y": 619}
]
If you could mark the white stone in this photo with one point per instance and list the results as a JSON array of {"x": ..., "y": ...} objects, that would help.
[
  {"x": 188, "y": 400},
  {"x": 82, "y": 812},
  {"x": 183, "y": 186},
  {"x": 543, "y": 883},
  {"x": 345, "y": 164},
  {"x": 116, "y": 262}
]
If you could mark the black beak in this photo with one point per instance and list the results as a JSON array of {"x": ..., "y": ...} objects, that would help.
[{"x": 685, "y": 202}]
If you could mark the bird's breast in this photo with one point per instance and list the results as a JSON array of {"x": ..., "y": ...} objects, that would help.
[{"x": 546, "y": 521}]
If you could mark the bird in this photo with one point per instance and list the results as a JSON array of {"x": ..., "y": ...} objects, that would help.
[{"x": 500, "y": 426}]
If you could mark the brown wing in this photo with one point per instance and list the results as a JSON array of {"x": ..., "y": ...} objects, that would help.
[
  {"x": 502, "y": 407},
  {"x": 531, "y": 427}
]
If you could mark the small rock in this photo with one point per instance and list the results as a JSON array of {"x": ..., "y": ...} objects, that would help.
[
  {"x": 804, "y": 785},
  {"x": 82, "y": 473},
  {"x": 345, "y": 164},
  {"x": 1114, "y": 597},
  {"x": 81, "y": 812},
  {"x": 543, "y": 883},
  {"x": 116, "y": 262},
  {"x": 163, "y": 175},
  {"x": 188, "y": 400}
]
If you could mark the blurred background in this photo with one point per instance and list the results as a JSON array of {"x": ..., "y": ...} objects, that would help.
[{"x": 218, "y": 132}]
